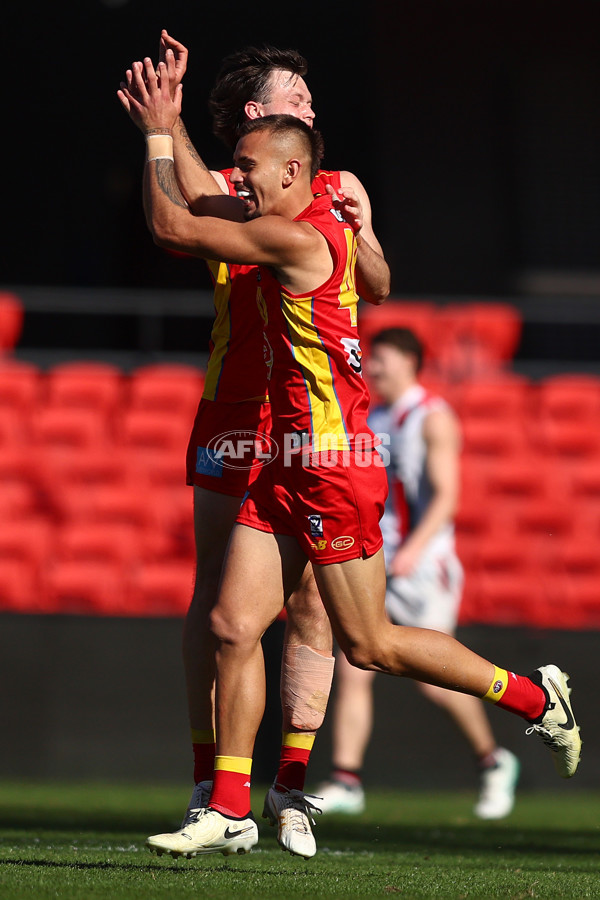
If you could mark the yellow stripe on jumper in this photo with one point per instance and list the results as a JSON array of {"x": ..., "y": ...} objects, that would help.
[
  {"x": 348, "y": 295},
  {"x": 221, "y": 329},
  {"x": 326, "y": 413}
]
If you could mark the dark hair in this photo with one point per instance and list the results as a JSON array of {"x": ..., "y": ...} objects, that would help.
[
  {"x": 402, "y": 339},
  {"x": 244, "y": 76},
  {"x": 290, "y": 125}
]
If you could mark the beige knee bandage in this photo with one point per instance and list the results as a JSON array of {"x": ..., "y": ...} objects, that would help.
[{"x": 306, "y": 678}]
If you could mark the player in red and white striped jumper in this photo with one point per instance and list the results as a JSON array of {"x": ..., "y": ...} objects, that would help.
[{"x": 421, "y": 446}]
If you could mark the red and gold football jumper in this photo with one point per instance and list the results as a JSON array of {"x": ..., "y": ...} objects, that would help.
[
  {"x": 326, "y": 486},
  {"x": 236, "y": 371}
]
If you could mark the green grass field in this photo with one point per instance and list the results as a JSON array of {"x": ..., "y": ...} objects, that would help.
[{"x": 87, "y": 841}]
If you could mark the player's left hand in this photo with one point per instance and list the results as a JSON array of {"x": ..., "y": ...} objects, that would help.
[
  {"x": 175, "y": 55},
  {"x": 346, "y": 201},
  {"x": 146, "y": 97}
]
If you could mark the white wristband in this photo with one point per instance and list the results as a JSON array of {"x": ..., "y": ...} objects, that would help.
[{"x": 162, "y": 146}]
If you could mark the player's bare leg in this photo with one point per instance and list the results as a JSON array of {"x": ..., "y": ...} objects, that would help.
[
  {"x": 353, "y": 593},
  {"x": 306, "y": 675}
]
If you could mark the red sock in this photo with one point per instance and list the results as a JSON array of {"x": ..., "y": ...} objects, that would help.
[
  {"x": 517, "y": 693},
  {"x": 230, "y": 793},
  {"x": 203, "y": 744},
  {"x": 293, "y": 762}
]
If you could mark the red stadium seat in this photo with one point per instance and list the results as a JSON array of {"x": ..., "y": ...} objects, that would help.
[
  {"x": 88, "y": 467},
  {"x": 20, "y": 384},
  {"x": 569, "y": 397},
  {"x": 119, "y": 542},
  {"x": 13, "y": 428},
  {"x": 493, "y": 438},
  {"x": 569, "y": 441},
  {"x": 19, "y": 588},
  {"x": 501, "y": 399},
  {"x": 571, "y": 601},
  {"x": 518, "y": 478},
  {"x": 29, "y": 540},
  {"x": 584, "y": 481},
  {"x": 162, "y": 588},
  {"x": 510, "y": 598},
  {"x": 477, "y": 337},
  {"x": 573, "y": 554},
  {"x": 507, "y": 554},
  {"x": 168, "y": 388},
  {"x": 545, "y": 516},
  {"x": 91, "y": 385},
  {"x": 84, "y": 587},
  {"x": 63, "y": 429},
  {"x": 143, "y": 430},
  {"x": 108, "y": 504},
  {"x": 19, "y": 499},
  {"x": 12, "y": 314},
  {"x": 419, "y": 316}
]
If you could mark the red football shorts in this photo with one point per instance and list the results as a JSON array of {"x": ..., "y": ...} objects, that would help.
[
  {"x": 333, "y": 511},
  {"x": 228, "y": 444}
]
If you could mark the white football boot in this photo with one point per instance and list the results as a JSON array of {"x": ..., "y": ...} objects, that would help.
[
  {"x": 498, "y": 784},
  {"x": 207, "y": 831},
  {"x": 556, "y": 726},
  {"x": 292, "y": 811},
  {"x": 336, "y": 797}
]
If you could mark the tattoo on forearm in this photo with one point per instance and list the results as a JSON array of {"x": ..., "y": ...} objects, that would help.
[
  {"x": 190, "y": 147},
  {"x": 165, "y": 177}
]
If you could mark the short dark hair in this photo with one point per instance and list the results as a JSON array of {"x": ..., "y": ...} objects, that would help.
[
  {"x": 284, "y": 124},
  {"x": 244, "y": 76},
  {"x": 402, "y": 339}
]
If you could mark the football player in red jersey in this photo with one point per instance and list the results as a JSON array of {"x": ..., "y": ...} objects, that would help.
[
  {"x": 252, "y": 83},
  {"x": 306, "y": 253}
]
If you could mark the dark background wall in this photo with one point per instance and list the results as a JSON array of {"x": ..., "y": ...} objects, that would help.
[
  {"x": 474, "y": 127},
  {"x": 103, "y": 698}
]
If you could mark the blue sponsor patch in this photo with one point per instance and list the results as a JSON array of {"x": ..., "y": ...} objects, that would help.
[{"x": 207, "y": 463}]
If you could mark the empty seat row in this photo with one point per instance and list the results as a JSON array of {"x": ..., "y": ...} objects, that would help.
[
  {"x": 100, "y": 385},
  {"x": 88, "y": 587},
  {"x": 537, "y": 600}
]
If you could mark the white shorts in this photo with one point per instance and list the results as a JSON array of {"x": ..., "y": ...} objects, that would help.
[{"x": 429, "y": 597}]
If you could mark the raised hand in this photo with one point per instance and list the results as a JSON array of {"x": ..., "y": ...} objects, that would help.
[
  {"x": 175, "y": 56},
  {"x": 146, "y": 97},
  {"x": 347, "y": 203}
]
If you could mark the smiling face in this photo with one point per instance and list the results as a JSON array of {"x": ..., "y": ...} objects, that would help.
[
  {"x": 258, "y": 173},
  {"x": 273, "y": 162},
  {"x": 287, "y": 94}
]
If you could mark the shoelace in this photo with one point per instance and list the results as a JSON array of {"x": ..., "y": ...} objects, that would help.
[
  {"x": 193, "y": 816},
  {"x": 198, "y": 802},
  {"x": 299, "y": 802},
  {"x": 547, "y": 737}
]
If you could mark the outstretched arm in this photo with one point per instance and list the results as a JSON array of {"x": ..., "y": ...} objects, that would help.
[
  {"x": 372, "y": 271},
  {"x": 294, "y": 249},
  {"x": 199, "y": 185}
]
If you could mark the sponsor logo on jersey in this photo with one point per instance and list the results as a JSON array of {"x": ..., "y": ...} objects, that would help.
[
  {"x": 206, "y": 464},
  {"x": 316, "y": 525},
  {"x": 343, "y": 543},
  {"x": 320, "y": 545}
]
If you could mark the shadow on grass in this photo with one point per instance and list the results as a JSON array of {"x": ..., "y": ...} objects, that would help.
[{"x": 334, "y": 834}]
